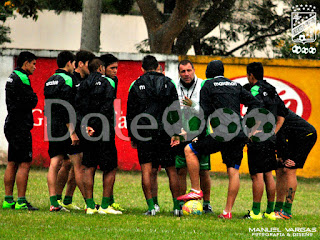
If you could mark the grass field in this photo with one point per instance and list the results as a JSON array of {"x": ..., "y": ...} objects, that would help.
[{"x": 133, "y": 225}]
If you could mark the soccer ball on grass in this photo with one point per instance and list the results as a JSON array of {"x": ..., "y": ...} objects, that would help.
[{"x": 192, "y": 207}]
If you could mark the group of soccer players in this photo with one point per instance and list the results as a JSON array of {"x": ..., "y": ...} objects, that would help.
[{"x": 163, "y": 128}]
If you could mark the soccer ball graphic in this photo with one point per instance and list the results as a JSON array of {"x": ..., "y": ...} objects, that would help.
[
  {"x": 192, "y": 207},
  {"x": 225, "y": 124},
  {"x": 259, "y": 124}
]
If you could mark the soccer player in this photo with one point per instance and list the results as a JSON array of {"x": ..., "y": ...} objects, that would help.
[
  {"x": 261, "y": 155},
  {"x": 219, "y": 92},
  {"x": 149, "y": 96},
  {"x": 61, "y": 86},
  {"x": 66, "y": 174},
  {"x": 20, "y": 100},
  {"x": 295, "y": 140},
  {"x": 96, "y": 95},
  {"x": 111, "y": 70},
  {"x": 188, "y": 89}
]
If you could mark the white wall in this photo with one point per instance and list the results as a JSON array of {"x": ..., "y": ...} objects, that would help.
[{"x": 63, "y": 32}]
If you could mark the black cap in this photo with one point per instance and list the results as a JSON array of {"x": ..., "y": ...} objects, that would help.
[{"x": 214, "y": 68}]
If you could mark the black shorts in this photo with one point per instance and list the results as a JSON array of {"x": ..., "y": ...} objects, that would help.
[
  {"x": 20, "y": 146},
  {"x": 261, "y": 157},
  {"x": 299, "y": 149},
  {"x": 232, "y": 151},
  {"x": 100, "y": 153},
  {"x": 158, "y": 153}
]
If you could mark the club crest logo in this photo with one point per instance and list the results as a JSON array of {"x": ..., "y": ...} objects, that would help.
[{"x": 303, "y": 28}]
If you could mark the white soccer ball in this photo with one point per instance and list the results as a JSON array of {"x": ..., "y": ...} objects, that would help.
[
  {"x": 225, "y": 124},
  {"x": 259, "y": 124}
]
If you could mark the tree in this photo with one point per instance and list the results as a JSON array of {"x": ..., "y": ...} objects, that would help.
[
  {"x": 256, "y": 21},
  {"x": 26, "y": 8},
  {"x": 90, "y": 29}
]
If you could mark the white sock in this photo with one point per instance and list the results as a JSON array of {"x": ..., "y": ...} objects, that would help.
[
  {"x": 224, "y": 212},
  {"x": 196, "y": 191}
]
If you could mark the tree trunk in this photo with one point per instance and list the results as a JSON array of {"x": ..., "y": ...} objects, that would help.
[{"x": 90, "y": 30}]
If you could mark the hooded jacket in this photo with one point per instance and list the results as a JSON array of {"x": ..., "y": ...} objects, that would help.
[
  {"x": 151, "y": 94},
  {"x": 20, "y": 100}
]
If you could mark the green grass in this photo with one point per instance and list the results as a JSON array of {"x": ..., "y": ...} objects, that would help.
[{"x": 133, "y": 225}]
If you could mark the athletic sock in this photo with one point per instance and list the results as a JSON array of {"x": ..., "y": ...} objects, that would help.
[
  {"x": 256, "y": 207},
  {"x": 287, "y": 207},
  {"x": 9, "y": 199},
  {"x": 150, "y": 204},
  {"x": 22, "y": 200},
  {"x": 53, "y": 201},
  {"x": 106, "y": 202},
  {"x": 111, "y": 200},
  {"x": 67, "y": 200},
  {"x": 90, "y": 203},
  {"x": 181, "y": 203},
  {"x": 59, "y": 197},
  {"x": 206, "y": 203},
  {"x": 196, "y": 191},
  {"x": 176, "y": 204},
  {"x": 278, "y": 206},
  {"x": 270, "y": 207},
  {"x": 155, "y": 200}
]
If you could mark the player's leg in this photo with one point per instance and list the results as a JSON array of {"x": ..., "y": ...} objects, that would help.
[
  {"x": 193, "y": 169},
  {"x": 154, "y": 188},
  {"x": 205, "y": 183},
  {"x": 146, "y": 175},
  {"x": 233, "y": 188},
  {"x": 174, "y": 187},
  {"x": 88, "y": 183},
  {"x": 62, "y": 178},
  {"x": 79, "y": 170},
  {"x": 271, "y": 193},
  {"x": 182, "y": 179},
  {"x": 281, "y": 186},
  {"x": 257, "y": 192},
  {"x": 9, "y": 180}
]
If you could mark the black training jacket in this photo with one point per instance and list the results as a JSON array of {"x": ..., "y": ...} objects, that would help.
[
  {"x": 96, "y": 95},
  {"x": 151, "y": 93},
  {"x": 61, "y": 85},
  {"x": 268, "y": 96},
  {"x": 20, "y": 100}
]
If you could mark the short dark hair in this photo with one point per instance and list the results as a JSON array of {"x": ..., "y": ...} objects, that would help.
[
  {"x": 25, "y": 56},
  {"x": 256, "y": 69},
  {"x": 108, "y": 59},
  {"x": 149, "y": 63},
  {"x": 83, "y": 56},
  {"x": 94, "y": 64},
  {"x": 64, "y": 57},
  {"x": 185, "y": 62}
]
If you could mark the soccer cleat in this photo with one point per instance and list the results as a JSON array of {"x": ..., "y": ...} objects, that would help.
[
  {"x": 109, "y": 210},
  {"x": 177, "y": 213},
  {"x": 225, "y": 216},
  {"x": 70, "y": 206},
  {"x": 251, "y": 215},
  {"x": 150, "y": 212},
  {"x": 283, "y": 215},
  {"x": 157, "y": 208},
  {"x": 271, "y": 216},
  {"x": 191, "y": 196},
  {"x": 207, "y": 209},
  {"x": 58, "y": 209},
  {"x": 26, "y": 205},
  {"x": 91, "y": 211},
  {"x": 116, "y": 206},
  {"x": 8, "y": 205}
]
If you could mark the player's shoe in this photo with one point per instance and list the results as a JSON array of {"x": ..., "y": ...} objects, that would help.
[
  {"x": 58, "y": 209},
  {"x": 150, "y": 212},
  {"x": 157, "y": 208},
  {"x": 109, "y": 210},
  {"x": 225, "y": 216},
  {"x": 8, "y": 205},
  {"x": 207, "y": 209},
  {"x": 91, "y": 211},
  {"x": 191, "y": 196},
  {"x": 70, "y": 206},
  {"x": 271, "y": 216},
  {"x": 177, "y": 213},
  {"x": 26, "y": 205},
  {"x": 283, "y": 215},
  {"x": 251, "y": 215},
  {"x": 116, "y": 206}
]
